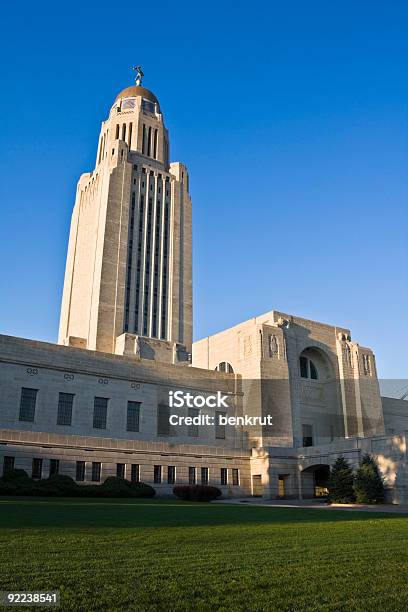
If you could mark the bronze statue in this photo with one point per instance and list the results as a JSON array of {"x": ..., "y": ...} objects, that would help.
[{"x": 139, "y": 75}]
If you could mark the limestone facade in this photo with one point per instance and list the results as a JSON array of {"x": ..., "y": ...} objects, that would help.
[{"x": 311, "y": 377}]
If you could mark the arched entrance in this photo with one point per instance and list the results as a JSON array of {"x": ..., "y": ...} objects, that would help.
[{"x": 314, "y": 480}]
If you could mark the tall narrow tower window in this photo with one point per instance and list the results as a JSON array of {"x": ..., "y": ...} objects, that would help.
[
  {"x": 155, "y": 144},
  {"x": 149, "y": 142},
  {"x": 124, "y": 131},
  {"x": 130, "y": 135},
  {"x": 144, "y": 140},
  {"x": 117, "y": 131}
]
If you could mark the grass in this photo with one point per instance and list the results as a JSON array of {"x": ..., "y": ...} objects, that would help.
[{"x": 165, "y": 555}]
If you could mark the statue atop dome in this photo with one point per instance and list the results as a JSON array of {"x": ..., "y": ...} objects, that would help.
[{"x": 139, "y": 75}]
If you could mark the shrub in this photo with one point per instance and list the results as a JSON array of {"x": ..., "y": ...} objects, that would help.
[
  {"x": 117, "y": 487},
  {"x": 201, "y": 493},
  {"x": 142, "y": 489},
  {"x": 17, "y": 482},
  {"x": 341, "y": 481},
  {"x": 57, "y": 485},
  {"x": 15, "y": 475},
  {"x": 368, "y": 483}
]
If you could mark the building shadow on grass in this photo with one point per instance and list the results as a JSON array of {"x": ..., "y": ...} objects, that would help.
[{"x": 39, "y": 513}]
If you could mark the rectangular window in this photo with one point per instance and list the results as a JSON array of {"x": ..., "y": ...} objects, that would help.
[
  {"x": 100, "y": 412},
  {"x": 80, "y": 471},
  {"x": 192, "y": 475},
  {"x": 133, "y": 416},
  {"x": 120, "y": 470},
  {"x": 204, "y": 476},
  {"x": 27, "y": 404},
  {"x": 163, "y": 423},
  {"x": 157, "y": 474},
  {"x": 36, "y": 468},
  {"x": 219, "y": 429},
  {"x": 8, "y": 464},
  {"x": 135, "y": 472},
  {"x": 54, "y": 467},
  {"x": 235, "y": 477},
  {"x": 307, "y": 434},
  {"x": 224, "y": 476},
  {"x": 65, "y": 403},
  {"x": 193, "y": 429},
  {"x": 171, "y": 474},
  {"x": 96, "y": 471}
]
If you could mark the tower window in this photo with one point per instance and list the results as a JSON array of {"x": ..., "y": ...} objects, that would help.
[
  {"x": 143, "y": 141},
  {"x": 149, "y": 142},
  {"x": 117, "y": 131},
  {"x": 130, "y": 135},
  {"x": 155, "y": 144}
]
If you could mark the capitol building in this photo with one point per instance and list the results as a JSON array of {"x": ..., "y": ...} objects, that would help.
[{"x": 97, "y": 403}]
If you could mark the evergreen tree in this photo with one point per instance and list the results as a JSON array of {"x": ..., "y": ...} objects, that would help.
[
  {"x": 341, "y": 482},
  {"x": 368, "y": 483}
]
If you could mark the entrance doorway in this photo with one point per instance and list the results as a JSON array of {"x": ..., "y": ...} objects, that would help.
[
  {"x": 257, "y": 486},
  {"x": 282, "y": 486}
]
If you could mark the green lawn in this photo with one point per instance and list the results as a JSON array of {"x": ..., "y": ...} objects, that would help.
[{"x": 164, "y": 555}]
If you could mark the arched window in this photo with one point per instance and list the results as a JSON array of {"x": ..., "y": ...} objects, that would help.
[
  {"x": 226, "y": 367},
  {"x": 307, "y": 368}
]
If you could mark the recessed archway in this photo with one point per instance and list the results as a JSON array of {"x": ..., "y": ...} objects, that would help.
[{"x": 314, "y": 480}]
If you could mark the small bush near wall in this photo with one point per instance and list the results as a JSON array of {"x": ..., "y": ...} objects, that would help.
[
  {"x": 200, "y": 493},
  {"x": 17, "y": 482}
]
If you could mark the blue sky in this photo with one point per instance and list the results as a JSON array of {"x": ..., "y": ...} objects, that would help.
[{"x": 292, "y": 119}]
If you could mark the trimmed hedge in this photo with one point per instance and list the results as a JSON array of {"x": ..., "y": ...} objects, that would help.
[
  {"x": 17, "y": 482},
  {"x": 199, "y": 493}
]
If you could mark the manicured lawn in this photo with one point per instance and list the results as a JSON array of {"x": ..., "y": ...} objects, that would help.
[{"x": 164, "y": 555}]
